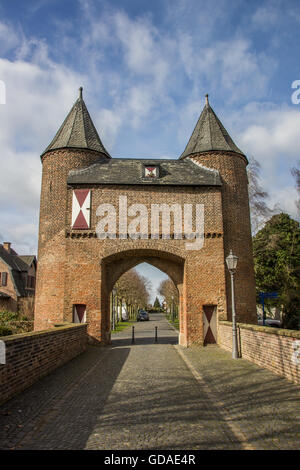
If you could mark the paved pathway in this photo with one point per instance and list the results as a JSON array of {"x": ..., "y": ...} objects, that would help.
[{"x": 154, "y": 396}]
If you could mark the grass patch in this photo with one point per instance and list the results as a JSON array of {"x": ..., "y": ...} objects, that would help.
[
  {"x": 122, "y": 325},
  {"x": 174, "y": 323}
]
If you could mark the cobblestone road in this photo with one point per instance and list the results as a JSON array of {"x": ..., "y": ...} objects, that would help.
[{"x": 154, "y": 396}]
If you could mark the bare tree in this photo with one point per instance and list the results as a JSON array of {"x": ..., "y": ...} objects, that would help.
[
  {"x": 133, "y": 288},
  {"x": 296, "y": 173},
  {"x": 259, "y": 210},
  {"x": 168, "y": 291}
]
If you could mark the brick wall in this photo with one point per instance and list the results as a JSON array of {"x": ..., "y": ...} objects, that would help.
[
  {"x": 30, "y": 356},
  {"x": 237, "y": 228},
  {"x": 75, "y": 267},
  {"x": 270, "y": 348},
  {"x": 50, "y": 282}
]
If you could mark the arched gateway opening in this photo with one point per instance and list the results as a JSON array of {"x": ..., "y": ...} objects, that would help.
[{"x": 114, "y": 266}]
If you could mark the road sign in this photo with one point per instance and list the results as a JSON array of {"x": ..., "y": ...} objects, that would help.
[
  {"x": 262, "y": 297},
  {"x": 268, "y": 295}
]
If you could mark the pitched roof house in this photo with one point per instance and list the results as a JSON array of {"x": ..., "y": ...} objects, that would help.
[{"x": 17, "y": 277}]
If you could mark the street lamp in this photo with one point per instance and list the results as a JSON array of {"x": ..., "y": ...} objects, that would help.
[
  {"x": 231, "y": 261},
  {"x": 113, "y": 308},
  {"x": 173, "y": 308}
]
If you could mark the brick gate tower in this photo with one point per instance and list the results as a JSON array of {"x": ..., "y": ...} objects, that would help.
[
  {"x": 211, "y": 145},
  {"x": 77, "y": 270},
  {"x": 76, "y": 145}
]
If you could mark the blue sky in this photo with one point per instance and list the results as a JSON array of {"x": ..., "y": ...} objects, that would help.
[{"x": 145, "y": 68}]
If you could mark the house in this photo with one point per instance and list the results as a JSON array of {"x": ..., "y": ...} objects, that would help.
[{"x": 17, "y": 280}]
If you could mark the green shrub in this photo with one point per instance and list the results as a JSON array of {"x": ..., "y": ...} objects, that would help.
[
  {"x": 5, "y": 331},
  {"x": 24, "y": 318},
  {"x": 6, "y": 316}
]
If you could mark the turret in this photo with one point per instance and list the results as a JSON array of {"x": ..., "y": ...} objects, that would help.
[
  {"x": 211, "y": 146},
  {"x": 77, "y": 132},
  {"x": 75, "y": 145}
]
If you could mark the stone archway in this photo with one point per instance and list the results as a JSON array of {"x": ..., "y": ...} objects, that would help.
[{"x": 115, "y": 265}]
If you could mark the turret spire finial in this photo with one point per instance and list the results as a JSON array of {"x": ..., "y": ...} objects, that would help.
[
  {"x": 77, "y": 131},
  {"x": 209, "y": 135}
]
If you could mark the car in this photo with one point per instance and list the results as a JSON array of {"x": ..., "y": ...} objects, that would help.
[
  {"x": 269, "y": 322},
  {"x": 142, "y": 316}
]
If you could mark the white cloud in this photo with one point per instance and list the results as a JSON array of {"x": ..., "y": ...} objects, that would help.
[
  {"x": 274, "y": 132},
  {"x": 38, "y": 95},
  {"x": 228, "y": 66},
  {"x": 9, "y": 39},
  {"x": 270, "y": 133},
  {"x": 266, "y": 16},
  {"x": 138, "y": 78},
  {"x": 285, "y": 199}
]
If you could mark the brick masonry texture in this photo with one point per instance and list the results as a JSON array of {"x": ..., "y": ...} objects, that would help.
[
  {"x": 267, "y": 347},
  {"x": 237, "y": 228},
  {"x": 30, "y": 356},
  {"x": 107, "y": 399},
  {"x": 75, "y": 267}
]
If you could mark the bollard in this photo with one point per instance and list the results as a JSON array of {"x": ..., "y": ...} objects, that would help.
[
  {"x": 132, "y": 338},
  {"x": 155, "y": 338}
]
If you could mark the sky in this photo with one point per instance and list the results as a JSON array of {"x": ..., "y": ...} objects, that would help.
[{"x": 145, "y": 68}]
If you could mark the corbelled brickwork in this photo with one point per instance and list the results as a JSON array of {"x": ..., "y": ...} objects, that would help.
[
  {"x": 270, "y": 348},
  {"x": 30, "y": 356}
]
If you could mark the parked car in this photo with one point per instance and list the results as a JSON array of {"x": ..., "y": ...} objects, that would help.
[
  {"x": 142, "y": 316},
  {"x": 269, "y": 322}
]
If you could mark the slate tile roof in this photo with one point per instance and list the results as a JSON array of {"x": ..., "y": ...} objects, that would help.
[
  {"x": 130, "y": 171},
  {"x": 78, "y": 131},
  {"x": 209, "y": 134}
]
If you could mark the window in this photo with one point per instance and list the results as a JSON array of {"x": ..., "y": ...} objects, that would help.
[
  {"x": 3, "y": 279},
  {"x": 79, "y": 313},
  {"x": 30, "y": 282},
  {"x": 151, "y": 172},
  {"x": 81, "y": 205}
]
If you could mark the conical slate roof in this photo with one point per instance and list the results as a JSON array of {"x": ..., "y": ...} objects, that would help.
[
  {"x": 78, "y": 131},
  {"x": 209, "y": 134}
]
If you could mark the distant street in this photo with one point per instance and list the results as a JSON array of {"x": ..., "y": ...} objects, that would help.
[{"x": 154, "y": 396}]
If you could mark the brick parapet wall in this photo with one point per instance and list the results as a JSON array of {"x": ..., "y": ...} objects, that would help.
[
  {"x": 30, "y": 356},
  {"x": 271, "y": 348}
]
